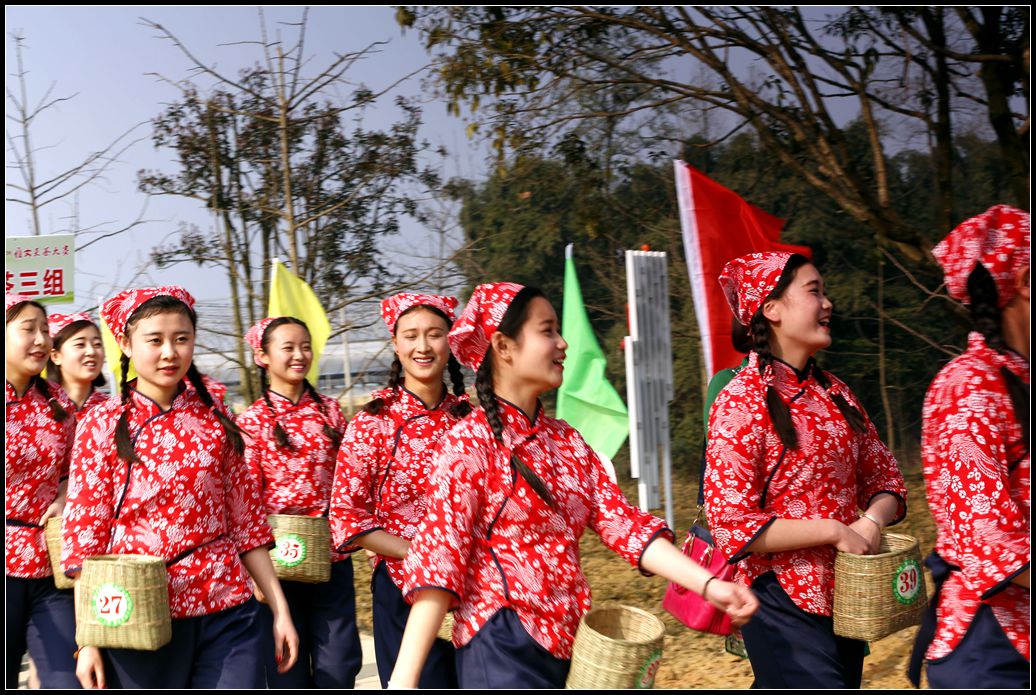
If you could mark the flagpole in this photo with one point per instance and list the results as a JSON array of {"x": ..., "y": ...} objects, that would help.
[{"x": 346, "y": 366}]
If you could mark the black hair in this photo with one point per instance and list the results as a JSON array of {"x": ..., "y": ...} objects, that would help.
[
  {"x": 54, "y": 370},
  {"x": 36, "y": 381},
  {"x": 740, "y": 336},
  {"x": 510, "y": 325},
  {"x": 278, "y": 431},
  {"x": 395, "y": 380},
  {"x": 164, "y": 304},
  {"x": 987, "y": 318},
  {"x": 780, "y": 416}
]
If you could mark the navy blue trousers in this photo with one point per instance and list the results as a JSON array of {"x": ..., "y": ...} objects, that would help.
[
  {"x": 390, "y": 616},
  {"x": 790, "y": 648},
  {"x": 324, "y": 615},
  {"x": 503, "y": 655},
  {"x": 220, "y": 650},
  {"x": 42, "y": 619},
  {"x": 985, "y": 658}
]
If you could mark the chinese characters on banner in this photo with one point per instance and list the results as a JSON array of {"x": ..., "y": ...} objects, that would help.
[{"x": 41, "y": 267}]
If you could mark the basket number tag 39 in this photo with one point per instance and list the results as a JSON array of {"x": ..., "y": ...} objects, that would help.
[
  {"x": 648, "y": 672},
  {"x": 290, "y": 550},
  {"x": 907, "y": 583},
  {"x": 112, "y": 605}
]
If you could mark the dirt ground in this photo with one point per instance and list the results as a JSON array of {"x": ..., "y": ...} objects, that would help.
[{"x": 696, "y": 660}]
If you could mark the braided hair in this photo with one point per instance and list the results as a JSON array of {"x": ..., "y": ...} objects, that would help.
[
  {"x": 67, "y": 333},
  {"x": 510, "y": 326},
  {"x": 778, "y": 410},
  {"x": 395, "y": 380},
  {"x": 36, "y": 381},
  {"x": 278, "y": 431},
  {"x": 164, "y": 304},
  {"x": 987, "y": 318}
]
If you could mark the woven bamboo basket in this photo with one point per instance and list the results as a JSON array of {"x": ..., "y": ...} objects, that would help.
[
  {"x": 876, "y": 595},
  {"x": 616, "y": 647},
  {"x": 303, "y": 551},
  {"x": 52, "y": 534},
  {"x": 446, "y": 628},
  {"x": 122, "y": 602}
]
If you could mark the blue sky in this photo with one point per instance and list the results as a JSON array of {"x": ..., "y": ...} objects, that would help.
[{"x": 103, "y": 55}]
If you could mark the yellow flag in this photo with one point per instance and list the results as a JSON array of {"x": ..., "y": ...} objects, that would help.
[
  {"x": 290, "y": 296},
  {"x": 112, "y": 354}
]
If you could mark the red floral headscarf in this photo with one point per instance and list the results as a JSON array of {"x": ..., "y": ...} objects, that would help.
[
  {"x": 393, "y": 307},
  {"x": 747, "y": 281},
  {"x": 470, "y": 335},
  {"x": 117, "y": 310}
]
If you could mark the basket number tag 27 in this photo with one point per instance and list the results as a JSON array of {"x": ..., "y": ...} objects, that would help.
[
  {"x": 906, "y": 585},
  {"x": 112, "y": 605},
  {"x": 290, "y": 550}
]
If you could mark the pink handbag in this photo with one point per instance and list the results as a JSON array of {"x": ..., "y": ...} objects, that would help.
[{"x": 685, "y": 605}]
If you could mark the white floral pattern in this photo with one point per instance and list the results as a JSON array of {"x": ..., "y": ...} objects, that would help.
[
  {"x": 489, "y": 539},
  {"x": 36, "y": 453},
  {"x": 751, "y": 479},
  {"x": 378, "y": 488},
  {"x": 189, "y": 499},
  {"x": 296, "y": 480},
  {"x": 977, "y": 475}
]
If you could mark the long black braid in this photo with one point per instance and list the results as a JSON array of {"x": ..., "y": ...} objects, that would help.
[
  {"x": 987, "y": 318},
  {"x": 461, "y": 408},
  {"x": 334, "y": 435},
  {"x": 487, "y": 399},
  {"x": 233, "y": 432},
  {"x": 780, "y": 415},
  {"x": 123, "y": 445}
]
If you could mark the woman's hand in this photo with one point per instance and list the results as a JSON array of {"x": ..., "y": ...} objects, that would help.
[
  {"x": 870, "y": 532},
  {"x": 737, "y": 601},
  {"x": 90, "y": 668},
  {"x": 285, "y": 641},
  {"x": 849, "y": 541}
]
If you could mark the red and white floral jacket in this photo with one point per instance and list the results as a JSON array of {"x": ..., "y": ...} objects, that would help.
[
  {"x": 976, "y": 470},
  {"x": 752, "y": 479},
  {"x": 384, "y": 463},
  {"x": 189, "y": 498},
  {"x": 294, "y": 480},
  {"x": 491, "y": 541},
  {"x": 36, "y": 454}
]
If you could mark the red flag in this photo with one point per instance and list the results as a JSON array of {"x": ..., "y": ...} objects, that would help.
[{"x": 718, "y": 226}]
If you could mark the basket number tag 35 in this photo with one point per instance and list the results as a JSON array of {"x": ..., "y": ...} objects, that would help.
[
  {"x": 290, "y": 550},
  {"x": 907, "y": 583},
  {"x": 112, "y": 605}
]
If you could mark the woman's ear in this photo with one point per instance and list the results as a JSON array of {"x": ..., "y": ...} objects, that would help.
[
  {"x": 124, "y": 345},
  {"x": 1021, "y": 284},
  {"x": 263, "y": 358},
  {"x": 502, "y": 346},
  {"x": 772, "y": 310}
]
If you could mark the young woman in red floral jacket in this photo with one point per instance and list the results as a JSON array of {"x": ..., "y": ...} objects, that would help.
[
  {"x": 293, "y": 437},
  {"x": 160, "y": 471},
  {"x": 385, "y": 462},
  {"x": 76, "y": 360},
  {"x": 39, "y": 429},
  {"x": 511, "y": 494},
  {"x": 975, "y": 451},
  {"x": 795, "y": 471}
]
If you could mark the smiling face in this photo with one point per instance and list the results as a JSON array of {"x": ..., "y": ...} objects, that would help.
[
  {"x": 800, "y": 319},
  {"x": 421, "y": 344},
  {"x": 80, "y": 355},
  {"x": 536, "y": 357},
  {"x": 28, "y": 344},
  {"x": 161, "y": 347},
  {"x": 287, "y": 353}
]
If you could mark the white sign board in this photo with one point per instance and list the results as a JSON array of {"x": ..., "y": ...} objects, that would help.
[{"x": 41, "y": 267}]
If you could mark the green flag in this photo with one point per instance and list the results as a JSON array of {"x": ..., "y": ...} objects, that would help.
[{"x": 586, "y": 399}]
